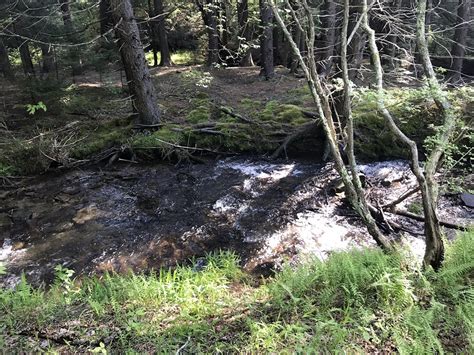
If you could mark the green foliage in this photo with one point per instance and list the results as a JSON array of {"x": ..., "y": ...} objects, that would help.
[
  {"x": 32, "y": 108},
  {"x": 6, "y": 170},
  {"x": 415, "y": 207},
  {"x": 354, "y": 301}
]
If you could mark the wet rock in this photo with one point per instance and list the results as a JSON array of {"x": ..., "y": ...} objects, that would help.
[
  {"x": 86, "y": 214},
  {"x": 468, "y": 199},
  {"x": 72, "y": 190},
  {"x": 18, "y": 246}
]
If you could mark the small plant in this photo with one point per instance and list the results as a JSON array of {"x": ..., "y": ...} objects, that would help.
[
  {"x": 64, "y": 281},
  {"x": 415, "y": 207},
  {"x": 32, "y": 108},
  {"x": 101, "y": 349}
]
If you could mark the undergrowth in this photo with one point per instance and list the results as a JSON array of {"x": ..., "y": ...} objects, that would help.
[{"x": 357, "y": 301}]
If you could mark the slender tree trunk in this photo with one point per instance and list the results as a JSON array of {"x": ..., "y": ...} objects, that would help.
[
  {"x": 5, "y": 65},
  {"x": 320, "y": 96},
  {"x": 328, "y": 40},
  {"x": 69, "y": 27},
  {"x": 208, "y": 10},
  {"x": 162, "y": 34},
  {"x": 26, "y": 60},
  {"x": 106, "y": 20},
  {"x": 153, "y": 34},
  {"x": 47, "y": 59},
  {"x": 244, "y": 32},
  {"x": 357, "y": 46},
  {"x": 133, "y": 57},
  {"x": 434, "y": 253},
  {"x": 458, "y": 48},
  {"x": 266, "y": 43}
]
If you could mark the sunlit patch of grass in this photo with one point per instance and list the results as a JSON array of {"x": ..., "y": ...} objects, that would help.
[
  {"x": 181, "y": 57},
  {"x": 356, "y": 301}
]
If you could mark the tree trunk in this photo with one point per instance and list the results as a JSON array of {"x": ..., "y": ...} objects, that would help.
[
  {"x": 356, "y": 47},
  {"x": 162, "y": 34},
  {"x": 106, "y": 20},
  {"x": 25, "y": 57},
  {"x": 153, "y": 35},
  {"x": 458, "y": 49},
  {"x": 266, "y": 42},
  {"x": 321, "y": 98},
  {"x": 69, "y": 27},
  {"x": 328, "y": 40},
  {"x": 133, "y": 57},
  {"x": 208, "y": 10},
  {"x": 47, "y": 59},
  {"x": 5, "y": 65},
  {"x": 244, "y": 32}
]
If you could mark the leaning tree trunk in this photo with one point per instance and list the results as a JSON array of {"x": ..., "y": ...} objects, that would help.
[
  {"x": 244, "y": 32},
  {"x": 133, "y": 57},
  {"x": 458, "y": 48},
  {"x": 5, "y": 65},
  {"x": 321, "y": 97},
  {"x": 266, "y": 43},
  {"x": 162, "y": 34}
]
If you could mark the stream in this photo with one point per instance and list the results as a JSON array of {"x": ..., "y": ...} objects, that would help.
[{"x": 142, "y": 217}]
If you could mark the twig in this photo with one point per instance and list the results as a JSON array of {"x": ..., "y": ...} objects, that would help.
[
  {"x": 184, "y": 345},
  {"x": 229, "y": 112}
]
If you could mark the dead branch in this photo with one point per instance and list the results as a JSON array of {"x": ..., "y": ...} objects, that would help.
[
  {"x": 400, "y": 199},
  {"x": 419, "y": 218}
]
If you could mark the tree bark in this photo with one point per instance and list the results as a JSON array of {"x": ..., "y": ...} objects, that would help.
[
  {"x": 131, "y": 49},
  {"x": 162, "y": 34},
  {"x": 26, "y": 60},
  {"x": 5, "y": 65},
  {"x": 208, "y": 10},
  {"x": 266, "y": 42},
  {"x": 458, "y": 48},
  {"x": 106, "y": 20},
  {"x": 244, "y": 32},
  {"x": 357, "y": 45},
  {"x": 328, "y": 39},
  {"x": 72, "y": 38},
  {"x": 47, "y": 59},
  {"x": 153, "y": 35}
]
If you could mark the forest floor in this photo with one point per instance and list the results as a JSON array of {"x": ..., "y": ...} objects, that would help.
[
  {"x": 225, "y": 112},
  {"x": 80, "y": 189}
]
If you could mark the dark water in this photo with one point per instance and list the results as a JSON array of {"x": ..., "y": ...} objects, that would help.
[{"x": 143, "y": 217}]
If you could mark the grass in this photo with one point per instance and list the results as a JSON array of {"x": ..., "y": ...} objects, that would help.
[
  {"x": 182, "y": 57},
  {"x": 357, "y": 301}
]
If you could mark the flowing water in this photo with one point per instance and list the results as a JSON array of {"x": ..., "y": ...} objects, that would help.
[{"x": 135, "y": 217}]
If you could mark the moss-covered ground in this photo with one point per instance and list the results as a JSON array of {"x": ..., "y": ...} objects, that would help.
[
  {"x": 222, "y": 111},
  {"x": 355, "y": 302}
]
